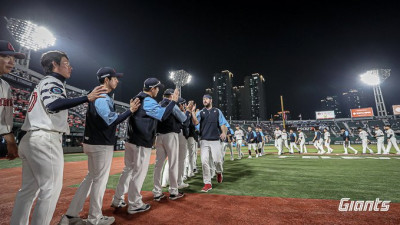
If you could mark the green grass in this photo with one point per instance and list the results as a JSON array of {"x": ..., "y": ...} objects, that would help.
[{"x": 294, "y": 177}]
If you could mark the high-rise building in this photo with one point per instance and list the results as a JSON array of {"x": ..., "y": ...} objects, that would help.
[
  {"x": 352, "y": 99},
  {"x": 222, "y": 92},
  {"x": 237, "y": 92},
  {"x": 254, "y": 99},
  {"x": 331, "y": 103}
]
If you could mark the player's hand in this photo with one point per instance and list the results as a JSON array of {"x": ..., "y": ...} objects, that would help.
[
  {"x": 223, "y": 136},
  {"x": 189, "y": 106},
  {"x": 175, "y": 95},
  {"x": 12, "y": 150},
  {"x": 134, "y": 105},
  {"x": 96, "y": 93}
]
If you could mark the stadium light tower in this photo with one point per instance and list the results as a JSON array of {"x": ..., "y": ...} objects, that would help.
[
  {"x": 30, "y": 37},
  {"x": 374, "y": 78},
  {"x": 180, "y": 78}
]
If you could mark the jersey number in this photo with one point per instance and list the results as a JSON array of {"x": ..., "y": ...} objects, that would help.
[{"x": 32, "y": 102}]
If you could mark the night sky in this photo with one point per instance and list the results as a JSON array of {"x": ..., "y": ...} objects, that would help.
[{"x": 304, "y": 50}]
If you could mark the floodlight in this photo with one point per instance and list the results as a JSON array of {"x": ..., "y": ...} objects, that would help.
[
  {"x": 30, "y": 35},
  {"x": 180, "y": 78},
  {"x": 374, "y": 78}
]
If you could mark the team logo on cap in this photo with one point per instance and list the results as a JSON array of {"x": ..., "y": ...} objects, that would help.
[{"x": 10, "y": 47}]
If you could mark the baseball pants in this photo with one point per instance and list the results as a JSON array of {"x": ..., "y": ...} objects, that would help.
[
  {"x": 285, "y": 142},
  {"x": 293, "y": 145},
  {"x": 137, "y": 159},
  {"x": 42, "y": 177},
  {"x": 303, "y": 146},
  {"x": 365, "y": 146},
  {"x": 279, "y": 146},
  {"x": 252, "y": 146},
  {"x": 346, "y": 146},
  {"x": 239, "y": 148},
  {"x": 192, "y": 149},
  {"x": 392, "y": 141},
  {"x": 380, "y": 145},
  {"x": 167, "y": 145},
  {"x": 182, "y": 156},
  {"x": 95, "y": 182},
  {"x": 328, "y": 146},
  {"x": 226, "y": 145},
  {"x": 210, "y": 149}
]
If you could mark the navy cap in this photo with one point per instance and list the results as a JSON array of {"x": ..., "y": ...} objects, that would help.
[
  {"x": 6, "y": 48},
  {"x": 207, "y": 96},
  {"x": 107, "y": 72},
  {"x": 152, "y": 82},
  {"x": 181, "y": 100},
  {"x": 169, "y": 91}
]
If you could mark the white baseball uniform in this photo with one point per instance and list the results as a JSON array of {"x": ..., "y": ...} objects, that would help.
[
  {"x": 364, "y": 139},
  {"x": 285, "y": 140},
  {"x": 278, "y": 141},
  {"x": 302, "y": 140},
  {"x": 380, "y": 139},
  {"x": 391, "y": 141},
  {"x": 239, "y": 141},
  {"x": 327, "y": 138},
  {"x": 42, "y": 154}
]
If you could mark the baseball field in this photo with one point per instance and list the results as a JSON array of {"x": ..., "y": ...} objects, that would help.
[{"x": 272, "y": 189}]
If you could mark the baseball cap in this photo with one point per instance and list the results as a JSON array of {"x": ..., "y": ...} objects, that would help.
[
  {"x": 107, "y": 72},
  {"x": 207, "y": 96},
  {"x": 181, "y": 100},
  {"x": 169, "y": 91},
  {"x": 6, "y": 48},
  {"x": 152, "y": 82}
]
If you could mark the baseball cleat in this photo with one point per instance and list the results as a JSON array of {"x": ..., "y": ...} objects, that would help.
[
  {"x": 105, "y": 220},
  {"x": 118, "y": 203},
  {"x": 158, "y": 198},
  {"x": 249, "y": 156},
  {"x": 206, "y": 188},
  {"x": 66, "y": 220},
  {"x": 177, "y": 196},
  {"x": 183, "y": 185},
  {"x": 144, "y": 208}
]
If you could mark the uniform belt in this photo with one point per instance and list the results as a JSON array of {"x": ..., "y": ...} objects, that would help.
[{"x": 48, "y": 131}]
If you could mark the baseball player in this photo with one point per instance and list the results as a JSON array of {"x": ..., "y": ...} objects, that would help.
[
  {"x": 228, "y": 143},
  {"x": 141, "y": 137},
  {"x": 285, "y": 139},
  {"x": 41, "y": 147},
  {"x": 317, "y": 140},
  {"x": 380, "y": 138},
  {"x": 239, "y": 141},
  {"x": 346, "y": 141},
  {"x": 251, "y": 141},
  {"x": 364, "y": 139},
  {"x": 302, "y": 141},
  {"x": 391, "y": 139},
  {"x": 293, "y": 140},
  {"x": 260, "y": 140},
  {"x": 212, "y": 126},
  {"x": 183, "y": 146},
  {"x": 192, "y": 147},
  {"x": 264, "y": 140},
  {"x": 327, "y": 140},
  {"x": 7, "y": 63},
  {"x": 98, "y": 144},
  {"x": 278, "y": 140},
  {"x": 167, "y": 145}
]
